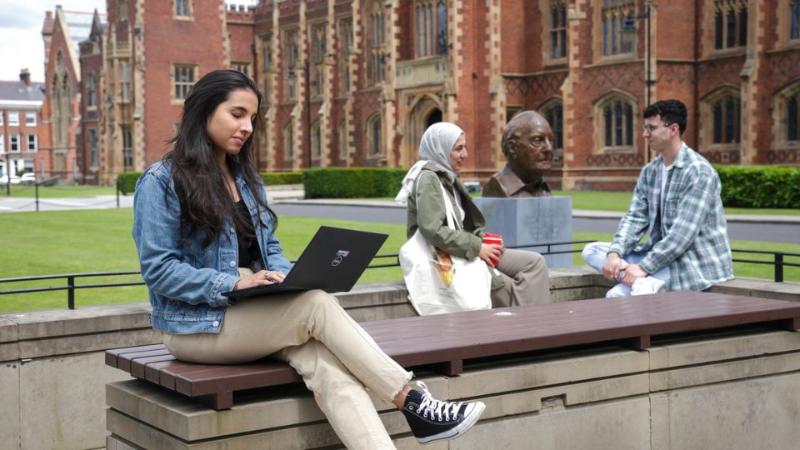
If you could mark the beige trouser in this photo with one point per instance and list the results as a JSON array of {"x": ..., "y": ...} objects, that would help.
[
  {"x": 527, "y": 280},
  {"x": 333, "y": 354}
]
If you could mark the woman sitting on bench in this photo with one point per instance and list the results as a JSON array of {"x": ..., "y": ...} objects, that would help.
[
  {"x": 202, "y": 227},
  {"x": 521, "y": 277}
]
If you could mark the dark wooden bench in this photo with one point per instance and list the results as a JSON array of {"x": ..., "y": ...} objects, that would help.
[{"x": 445, "y": 341}]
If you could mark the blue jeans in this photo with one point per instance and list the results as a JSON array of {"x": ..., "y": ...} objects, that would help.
[{"x": 595, "y": 255}]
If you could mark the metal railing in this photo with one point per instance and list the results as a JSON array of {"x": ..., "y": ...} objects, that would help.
[{"x": 778, "y": 261}]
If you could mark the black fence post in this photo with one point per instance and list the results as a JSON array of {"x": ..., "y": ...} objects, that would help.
[
  {"x": 36, "y": 190},
  {"x": 71, "y": 292},
  {"x": 778, "y": 267}
]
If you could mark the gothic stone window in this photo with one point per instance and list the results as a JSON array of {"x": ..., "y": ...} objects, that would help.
[
  {"x": 91, "y": 90},
  {"x": 553, "y": 111},
  {"x": 266, "y": 65},
  {"x": 616, "y": 123},
  {"x": 374, "y": 140},
  {"x": 730, "y": 23},
  {"x": 288, "y": 145},
  {"x": 431, "y": 27},
  {"x": 725, "y": 113},
  {"x": 184, "y": 76},
  {"x": 125, "y": 81},
  {"x": 316, "y": 142},
  {"x": 127, "y": 147},
  {"x": 558, "y": 29},
  {"x": 786, "y": 109},
  {"x": 243, "y": 67},
  {"x": 291, "y": 56},
  {"x": 615, "y": 13},
  {"x": 345, "y": 48},
  {"x": 318, "y": 49},
  {"x": 183, "y": 8},
  {"x": 376, "y": 60},
  {"x": 793, "y": 117},
  {"x": 794, "y": 30}
]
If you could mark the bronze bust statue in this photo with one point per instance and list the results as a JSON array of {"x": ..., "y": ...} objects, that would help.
[{"x": 528, "y": 147}]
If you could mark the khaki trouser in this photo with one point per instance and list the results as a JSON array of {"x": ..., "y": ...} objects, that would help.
[
  {"x": 527, "y": 280},
  {"x": 333, "y": 354}
]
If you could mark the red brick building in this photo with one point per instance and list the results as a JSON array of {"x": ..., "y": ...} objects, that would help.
[
  {"x": 355, "y": 82},
  {"x": 20, "y": 126},
  {"x": 61, "y": 111}
]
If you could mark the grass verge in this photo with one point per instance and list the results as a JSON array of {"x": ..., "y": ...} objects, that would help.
[{"x": 59, "y": 242}]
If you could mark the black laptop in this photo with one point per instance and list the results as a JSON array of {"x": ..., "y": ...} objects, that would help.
[{"x": 333, "y": 261}]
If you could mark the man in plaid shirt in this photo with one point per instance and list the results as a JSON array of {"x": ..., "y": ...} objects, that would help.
[{"x": 677, "y": 203}]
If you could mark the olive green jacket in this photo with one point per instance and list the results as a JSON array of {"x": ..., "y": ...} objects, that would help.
[{"x": 426, "y": 212}]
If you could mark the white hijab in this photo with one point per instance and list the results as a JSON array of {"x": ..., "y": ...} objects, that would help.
[{"x": 434, "y": 153}]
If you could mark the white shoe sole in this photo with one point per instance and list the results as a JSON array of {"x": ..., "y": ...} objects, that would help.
[{"x": 458, "y": 430}]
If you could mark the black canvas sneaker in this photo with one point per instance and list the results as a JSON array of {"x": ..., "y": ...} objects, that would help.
[{"x": 432, "y": 420}]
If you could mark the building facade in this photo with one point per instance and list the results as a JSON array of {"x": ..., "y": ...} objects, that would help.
[
  {"x": 356, "y": 82},
  {"x": 20, "y": 126}
]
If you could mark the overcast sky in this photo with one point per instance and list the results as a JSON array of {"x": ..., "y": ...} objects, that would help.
[{"x": 21, "y": 22}]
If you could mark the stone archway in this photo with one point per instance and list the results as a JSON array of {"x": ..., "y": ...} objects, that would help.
[{"x": 425, "y": 111}]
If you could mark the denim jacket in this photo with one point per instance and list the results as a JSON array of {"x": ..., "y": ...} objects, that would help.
[{"x": 186, "y": 280}]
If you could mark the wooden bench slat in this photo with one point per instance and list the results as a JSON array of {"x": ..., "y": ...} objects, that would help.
[{"x": 446, "y": 341}]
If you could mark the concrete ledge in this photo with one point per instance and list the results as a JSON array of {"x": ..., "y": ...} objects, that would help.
[
  {"x": 752, "y": 287},
  {"x": 47, "y": 389},
  {"x": 602, "y": 397}
]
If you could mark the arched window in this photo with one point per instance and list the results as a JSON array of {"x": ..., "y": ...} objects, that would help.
[
  {"x": 786, "y": 111},
  {"x": 794, "y": 13},
  {"x": 730, "y": 23},
  {"x": 316, "y": 142},
  {"x": 554, "y": 113},
  {"x": 725, "y": 112},
  {"x": 617, "y": 119},
  {"x": 288, "y": 145},
  {"x": 374, "y": 136}
]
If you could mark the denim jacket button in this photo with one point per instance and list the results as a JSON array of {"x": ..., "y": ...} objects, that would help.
[
  {"x": 215, "y": 323},
  {"x": 233, "y": 264}
]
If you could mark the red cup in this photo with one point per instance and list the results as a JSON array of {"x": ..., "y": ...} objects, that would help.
[{"x": 493, "y": 239}]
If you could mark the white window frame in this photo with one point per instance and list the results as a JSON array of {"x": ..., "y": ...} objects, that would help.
[
  {"x": 30, "y": 119},
  {"x": 2, "y": 142},
  {"x": 11, "y": 145},
  {"x": 35, "y": 143},
  {"x": 13, "y": 118},
  {"x": 180, "y": 86}
]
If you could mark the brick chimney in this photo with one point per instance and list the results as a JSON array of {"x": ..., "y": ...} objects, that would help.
[{"x": 25, "y": 76}]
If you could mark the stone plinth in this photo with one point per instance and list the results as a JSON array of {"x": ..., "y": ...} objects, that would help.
[
  {"x": 733, "y": 390},
  {"x": 524, "y": 222}
]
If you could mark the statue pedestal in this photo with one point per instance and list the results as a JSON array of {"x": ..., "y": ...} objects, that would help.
[{"x": 527, "y": 223}]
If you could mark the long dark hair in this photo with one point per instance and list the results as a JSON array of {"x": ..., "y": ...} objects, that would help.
[{"x": 205, "y": 199}]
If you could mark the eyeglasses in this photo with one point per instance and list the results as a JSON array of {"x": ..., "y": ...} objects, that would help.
[{"x": 650, "y": 128}]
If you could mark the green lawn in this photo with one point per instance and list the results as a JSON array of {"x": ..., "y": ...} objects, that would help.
[
  {"x": 25, "y": 191},
  {"x": 619, "y": 201},
  {"x": 59, "y": 242}
]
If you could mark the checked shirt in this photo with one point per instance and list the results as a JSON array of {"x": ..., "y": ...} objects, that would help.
[{"x": 690, "y": 234}]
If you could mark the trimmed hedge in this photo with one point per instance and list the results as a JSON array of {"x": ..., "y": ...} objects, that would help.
[
  {"x": 760, "y": 186},
  {"x": 276, "y": 178},
  {"x": 359, "y": 182},
  {"x": 126, "y": 181}
]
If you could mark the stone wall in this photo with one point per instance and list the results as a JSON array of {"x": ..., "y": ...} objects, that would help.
[{"x": 52, "y": 371}]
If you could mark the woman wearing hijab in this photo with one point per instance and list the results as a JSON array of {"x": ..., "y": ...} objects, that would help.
[{"x": 521, "y": 277}]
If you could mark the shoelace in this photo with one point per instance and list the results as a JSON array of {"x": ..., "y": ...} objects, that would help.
[{"x": 436, "y": 408}]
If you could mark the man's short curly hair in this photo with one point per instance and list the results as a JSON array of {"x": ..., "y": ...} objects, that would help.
[{"x": 671, "y": 111}]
